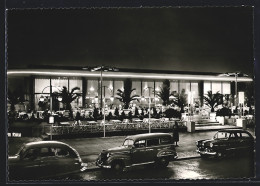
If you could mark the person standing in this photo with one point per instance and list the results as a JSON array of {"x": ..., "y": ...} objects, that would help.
[
  {"x": 78, "y": 122},
  {"x": 176, "y": 134}
]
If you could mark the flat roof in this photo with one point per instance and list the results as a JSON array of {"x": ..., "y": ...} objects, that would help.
[{"x": 75, "y": 71}]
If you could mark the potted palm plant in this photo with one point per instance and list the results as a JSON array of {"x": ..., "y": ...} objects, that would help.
[
  {"x": 125, "y": 96},
  {"x": 68, "y": 97},
  {"x": 212, "y": 101},
  {"x": 164, "y": 93}
]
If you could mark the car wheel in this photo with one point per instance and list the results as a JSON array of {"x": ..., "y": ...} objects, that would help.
[
  {"x": 118, "y": 166},
  {"x": 163, "y": 162}
]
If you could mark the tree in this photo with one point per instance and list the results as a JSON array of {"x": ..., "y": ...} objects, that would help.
[
  {"x": 14, "y": 98},
  {"x": 164, "y": 92},
  {"x": 136, "y": 111},
  {"x": 180, "y": 100},
  {"x": 213, "y": 100},
  {"x": 116, "y": 112},
  {"x": 68, "y": 97},
  {"x": 125, "y": 95}
]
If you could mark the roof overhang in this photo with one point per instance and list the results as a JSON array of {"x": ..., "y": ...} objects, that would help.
[{"x": 133, "y": 75}]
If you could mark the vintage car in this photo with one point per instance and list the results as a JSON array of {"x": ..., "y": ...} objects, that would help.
[
  {"x": 44, "y": 159},
  {"x": 141, "y": 149},
  {"x": 226, "y": 142}
]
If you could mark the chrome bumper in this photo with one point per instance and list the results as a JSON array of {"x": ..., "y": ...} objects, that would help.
[
  {"x": 206, "y": 152},
  {"x": 100, "y": 164}
]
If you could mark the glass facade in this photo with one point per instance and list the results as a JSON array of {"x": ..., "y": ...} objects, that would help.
[
  {"x": 144, "y": 88},
  {"x": 221, "y": 87},
  {"x": 44, "y": 86}
]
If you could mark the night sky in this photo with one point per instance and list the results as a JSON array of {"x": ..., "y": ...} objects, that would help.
[{"x": 179, "y": 39}]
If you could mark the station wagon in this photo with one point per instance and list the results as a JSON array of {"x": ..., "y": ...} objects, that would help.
[{"x": 141, "y": 149}]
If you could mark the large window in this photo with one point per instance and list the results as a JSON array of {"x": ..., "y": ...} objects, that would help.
[
  {"x": 107, "y": 88},
  {"x": 92, "y": 88},
  {"x": 42, "y": 85},
  {"x": 58, "y": 84},
  {"x": 148, "y": 92},
  {"x": 75, "y": 83},
  {"x": 207, "y": 87},
  {"x": 216, "y": 87},
  {"x": 226, "y": 88},
  {"x": 137, "y": 86},
  {"x": 195, "y": 89},
  {"x": 185, "y": 85},
  {"x": 174, "y": 86}
]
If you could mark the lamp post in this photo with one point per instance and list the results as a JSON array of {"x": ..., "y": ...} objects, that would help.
[
  {"x": 149, "y": 105},
  {"x": 104, "y": 111},
  {"x": 51, "y": 118}
]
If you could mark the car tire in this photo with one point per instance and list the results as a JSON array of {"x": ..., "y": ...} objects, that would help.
[
  {"x": 163, "y": 162},
  {"x": 118, "y": 166}
]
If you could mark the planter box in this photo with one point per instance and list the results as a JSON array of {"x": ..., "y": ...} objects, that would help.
[
  {"x": 241, "y": 123},
  {"x": 230, "y": 121},
  {"x": 212, "y": 116},
  {"x": 190, "y": 126},
  {"x": 220, "y": 119}
]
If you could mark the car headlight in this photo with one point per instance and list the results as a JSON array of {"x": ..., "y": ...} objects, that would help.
[
  {"x": 108, "y": 155},
  {"x": 211, "y": 145}
]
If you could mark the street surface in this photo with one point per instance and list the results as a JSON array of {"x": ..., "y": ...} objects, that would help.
[{"x": 233, "y": 167}]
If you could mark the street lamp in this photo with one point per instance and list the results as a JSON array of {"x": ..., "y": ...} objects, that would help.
[
  {"x": 51, "y": 118},
  {"x": 149, "y": 121},
  {"x": 104, "y": 111},
  {"x": 235, "y": 74}
]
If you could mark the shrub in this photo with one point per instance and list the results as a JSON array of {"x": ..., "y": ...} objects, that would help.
[
  {"x": 223, "y": 112},
  {"x": 172, "y": 113}
]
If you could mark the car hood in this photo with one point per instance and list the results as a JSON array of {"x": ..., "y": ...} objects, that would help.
[
  {"x": 208, "y": 141},
  {"x": 117, "y": 149}
]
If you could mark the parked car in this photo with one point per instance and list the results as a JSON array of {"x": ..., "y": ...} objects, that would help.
[
  {"x": 44, "y": 159},
  {"x": 226, "y": 142},
  {"x": 141, "y": 149}
]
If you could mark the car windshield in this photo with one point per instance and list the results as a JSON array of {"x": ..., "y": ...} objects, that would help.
[
  {"x": 21, "y": 151},
  {"x": 128, "y": 142},
  {"x": 221, "y": 135}
]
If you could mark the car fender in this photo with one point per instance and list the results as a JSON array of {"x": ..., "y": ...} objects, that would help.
[{"x": 126, "y": 158}]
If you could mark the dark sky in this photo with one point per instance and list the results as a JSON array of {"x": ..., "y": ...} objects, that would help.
[{"x": 180, "y": 39}]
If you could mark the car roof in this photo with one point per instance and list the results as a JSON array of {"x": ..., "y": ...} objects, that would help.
[
  {"x": 232, "y": 130},
  {"x": 147, "y": 135},
  {"x": 46, "y": 143}
]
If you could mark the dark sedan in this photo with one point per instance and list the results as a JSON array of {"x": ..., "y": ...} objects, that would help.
[
  {"x": 226, "y": 142},
  {"x": 44, "y": 159}
]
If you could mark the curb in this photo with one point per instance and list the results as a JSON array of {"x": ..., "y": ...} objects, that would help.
[{"x": 95, "y": 168}]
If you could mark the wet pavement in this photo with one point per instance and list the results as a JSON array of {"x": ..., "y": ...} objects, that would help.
[{"x": 89, "y": 148}]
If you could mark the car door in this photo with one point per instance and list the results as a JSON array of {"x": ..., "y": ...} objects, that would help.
[
  {"x": 29, "y": 165},
  {"x": 233, "y": 143},
  {"x": 67, "y": 160},
  {"x": 246, "y": 141},
  {"x": 48, "y": 162},
  {"x": 152, "y": 146},
  {"x": 138, "y": 152}
]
